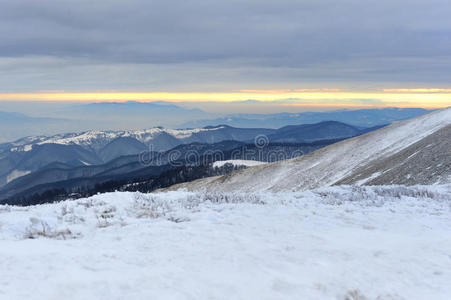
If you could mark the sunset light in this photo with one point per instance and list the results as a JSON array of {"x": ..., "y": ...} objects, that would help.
[{"x": 426, "y": 98}]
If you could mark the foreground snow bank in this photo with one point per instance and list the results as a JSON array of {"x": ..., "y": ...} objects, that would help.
[{"x": 333, "y": 243}]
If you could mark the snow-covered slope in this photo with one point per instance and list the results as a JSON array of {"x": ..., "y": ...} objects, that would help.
[
  {"x": 330, "y": 165},
  {"x": 335, "y": 243},
  {"x": 427, "y": 161}
]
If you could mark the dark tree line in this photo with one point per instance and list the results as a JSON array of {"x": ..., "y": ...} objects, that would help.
[{"x": 166, "y": 179}]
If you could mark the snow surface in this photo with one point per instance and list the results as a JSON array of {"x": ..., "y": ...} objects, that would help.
[
  {"x": 332, "y": 243},
  {"x": 237, "y": 162}
]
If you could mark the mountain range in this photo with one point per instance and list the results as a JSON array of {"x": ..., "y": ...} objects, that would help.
[{"x": 92, "y": 157}]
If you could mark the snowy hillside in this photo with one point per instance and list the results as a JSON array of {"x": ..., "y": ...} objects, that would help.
[
  {"x": 350, "y": 160},
  {"x": 334, "y": 243}
]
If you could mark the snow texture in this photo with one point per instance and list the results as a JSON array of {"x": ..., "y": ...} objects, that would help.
[{"x": 345, "y": 242}]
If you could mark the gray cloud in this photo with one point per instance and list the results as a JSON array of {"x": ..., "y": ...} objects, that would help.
[{"x": 201, "y": 44}]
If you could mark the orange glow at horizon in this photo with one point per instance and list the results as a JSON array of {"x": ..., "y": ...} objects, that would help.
[
  {"x": 427, "y": 98},
  {"x": 446, "y": 91}
]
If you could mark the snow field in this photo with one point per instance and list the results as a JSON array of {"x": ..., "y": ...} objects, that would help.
[{"x": 331, "y": 243}]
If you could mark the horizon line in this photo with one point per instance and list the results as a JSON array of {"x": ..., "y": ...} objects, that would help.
[{"x": 403, "y": 98}]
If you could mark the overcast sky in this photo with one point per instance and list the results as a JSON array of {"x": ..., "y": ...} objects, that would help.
[{"x": 211, "y": 46}]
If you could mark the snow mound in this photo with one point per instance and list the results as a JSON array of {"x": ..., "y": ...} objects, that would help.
[
  {"x": 237, "y": 163},
  {"x": 346, "y": 242}
]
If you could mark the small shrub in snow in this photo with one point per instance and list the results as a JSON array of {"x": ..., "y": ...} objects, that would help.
[
  {"x": 149, "y": 206},
  {"x": 156, "y": 206},
  {"x": 68, "y": 215},
  {"x": 39, "y": 228},
  {"x": 354, "y": 295},
  {"x": 377, "y": 196},
  {"x": 225, "y": 198},
  {"x": 106, "y": 216},
  {"x": 5, "y": 208}
]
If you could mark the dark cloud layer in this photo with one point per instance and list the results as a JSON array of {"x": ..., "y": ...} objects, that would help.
[{"x": 192, "y": 44}]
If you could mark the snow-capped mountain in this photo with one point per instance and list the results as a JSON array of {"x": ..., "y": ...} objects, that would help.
[
  {"x": 161, "y": 139},
  {"x": 96, "y": 140},
  {"x": 416, "y": 151}
]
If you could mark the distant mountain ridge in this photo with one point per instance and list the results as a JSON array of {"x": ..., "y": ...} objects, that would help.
[
  {"x": 361, "y": 117},
  {"x": 133, "y": 107},
  {"x": 6, "y": 117},
  {"x": 310, "y": 132}
]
